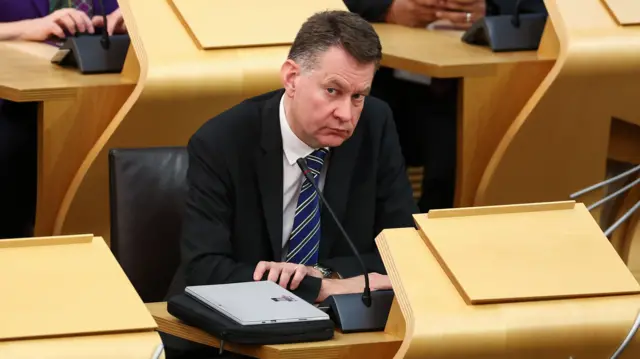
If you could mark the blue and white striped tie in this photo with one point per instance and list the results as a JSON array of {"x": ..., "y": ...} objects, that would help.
[{"x": 304, "y": 240}]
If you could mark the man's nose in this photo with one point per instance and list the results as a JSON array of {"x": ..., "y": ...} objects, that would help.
[{"x": 343, "y": 110}]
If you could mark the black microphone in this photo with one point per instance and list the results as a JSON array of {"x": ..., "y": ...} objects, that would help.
[
  {"x": 515, "y": 20},
  {"x": 95, "y": 54},
  {"x": 366, "y": 295},
  {"x": 104, "y": 41},
  {"x": 520, "y": 31}
]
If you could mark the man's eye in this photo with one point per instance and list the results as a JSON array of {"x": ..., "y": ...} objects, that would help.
[
  {"x": 331, "y": 90},
  {"x": 357, "y": 96}
]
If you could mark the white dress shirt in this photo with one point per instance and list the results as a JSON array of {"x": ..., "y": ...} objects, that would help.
[{"x": 292, "y": 178}]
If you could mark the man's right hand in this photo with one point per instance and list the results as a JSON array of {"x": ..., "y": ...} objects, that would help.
[
  {"x": 282, "y": 273},
  {"x": 55, "y": 24},
  {"x": 412, "y": 13},
  {"x": 352, "y": 285}
]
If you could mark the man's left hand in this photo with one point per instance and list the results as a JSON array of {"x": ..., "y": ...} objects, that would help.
[
  {"x": 282, "y": 273},
  {"x": 115, "y": 23},
  {"x": 462, "y": 13}
]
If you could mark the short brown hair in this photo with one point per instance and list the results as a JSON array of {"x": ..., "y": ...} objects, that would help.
[{"x": 336, "y": 28}]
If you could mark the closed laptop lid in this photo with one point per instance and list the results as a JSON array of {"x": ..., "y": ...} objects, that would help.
[{"x": 253, "y": 303}]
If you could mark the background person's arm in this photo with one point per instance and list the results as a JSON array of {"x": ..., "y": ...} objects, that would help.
[
  {"x": 12, "y": 30},
  {"x": 41, "y": 29}
]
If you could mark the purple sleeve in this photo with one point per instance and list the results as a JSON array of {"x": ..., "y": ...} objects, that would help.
[{"x": 109, "y": 6}]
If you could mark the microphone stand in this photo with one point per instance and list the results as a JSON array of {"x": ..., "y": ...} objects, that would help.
[{"x": 353, "y": 312}]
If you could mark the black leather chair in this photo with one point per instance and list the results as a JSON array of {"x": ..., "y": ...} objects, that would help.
[{"x": 147, "y": 193}]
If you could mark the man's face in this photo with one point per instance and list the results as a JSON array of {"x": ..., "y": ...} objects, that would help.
[{"x": 325, "y": 101}]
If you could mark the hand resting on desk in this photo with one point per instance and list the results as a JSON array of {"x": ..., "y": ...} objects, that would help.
[
  {"x": 115, "y": 22},
  {"x": 54, "y": 24},
  {"x": 283, "y": 273},
  {"x": 59, "y": 24},
  {"x": 421, "y": 13}
]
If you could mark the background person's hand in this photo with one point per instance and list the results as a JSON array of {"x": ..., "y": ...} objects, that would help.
[
  {"x": 412, "y": 13},
  {"x": 55, "y": 24},
  {"x": 461, "y": 13},
  {"x": 115, "y": 22},
  {"x": 282, "y": 273}
]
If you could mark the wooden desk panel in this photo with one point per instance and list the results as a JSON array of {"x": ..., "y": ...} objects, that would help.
[
  {"x": 377, "y": 345},
  {"x": 75, "y": 110},
  {"x": 494, "y": 88}
]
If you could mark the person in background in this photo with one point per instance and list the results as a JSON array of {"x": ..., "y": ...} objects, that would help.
[
  {"x": 425, "y": 109},
  {"x": 35, "y": 20},
  {"x": 40, "y": 20}
]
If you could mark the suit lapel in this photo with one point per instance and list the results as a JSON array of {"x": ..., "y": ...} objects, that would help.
[
  {"x": 336, "y": 189},
  {"x": 269, "y": 172}
]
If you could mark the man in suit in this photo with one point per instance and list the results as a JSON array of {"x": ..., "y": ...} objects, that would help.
[
  {"x": 250, "y": 213},
  {"x": 425, "y": 109},
  {"x": 35, "y": 20},
  {"x": 246, "y": 208}
]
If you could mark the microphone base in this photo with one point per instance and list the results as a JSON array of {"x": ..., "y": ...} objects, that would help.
[
  {"x": 350, "y": 315},
  {"x": 85, "y": 52},
  {"x": 499, "y": 33}
]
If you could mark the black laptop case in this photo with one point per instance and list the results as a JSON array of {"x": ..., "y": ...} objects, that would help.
[{"x": 196, "y": 314}]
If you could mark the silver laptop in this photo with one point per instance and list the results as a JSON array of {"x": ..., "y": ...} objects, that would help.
[{"x": 254, "y": 303}]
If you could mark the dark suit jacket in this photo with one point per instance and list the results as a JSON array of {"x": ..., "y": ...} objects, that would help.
[{"x": 233, "y": 216}]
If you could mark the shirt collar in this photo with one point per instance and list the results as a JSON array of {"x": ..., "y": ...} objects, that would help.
[{"x": 292, "y": 146}]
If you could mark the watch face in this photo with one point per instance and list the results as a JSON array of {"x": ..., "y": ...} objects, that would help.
[{"x": 325, "y": 272}]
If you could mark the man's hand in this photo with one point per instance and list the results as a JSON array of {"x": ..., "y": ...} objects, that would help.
[
  {"x": 115, "y": 22},
  {"x": 461, "y": 13},
  {"x": 352, "y": 285},
  {"x": 412, "y": 13},
  {"x": 55, "y": 24},
  {"x": 282, "y": 273}
]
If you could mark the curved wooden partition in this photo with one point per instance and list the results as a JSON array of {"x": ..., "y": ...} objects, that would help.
[
  {"x": 558, "y": 144},
  {"x": 179, "y": 87}
]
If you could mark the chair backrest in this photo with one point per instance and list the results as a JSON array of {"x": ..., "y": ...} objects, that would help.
[{"x": 147, "y": 194}]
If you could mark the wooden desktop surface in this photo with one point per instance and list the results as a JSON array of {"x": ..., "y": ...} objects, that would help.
[
  {"x": 28, "y": 74},
  {"x": 357, "y": 345},
  {"x": 441, "y": 53}
]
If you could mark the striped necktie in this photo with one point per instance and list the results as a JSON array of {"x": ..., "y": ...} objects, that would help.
[
  {"x": 304, "y": 240},
  {"x": 85, "y": 6}
]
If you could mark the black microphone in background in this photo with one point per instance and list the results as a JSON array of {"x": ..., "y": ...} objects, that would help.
[
  {"x": 104, "y": 41},
  {"x": 366, "y": 294},
  {"x": 94, "y": 53},
  {"x": 520, "y": 31},
  {"x": 516, "y": 14}
]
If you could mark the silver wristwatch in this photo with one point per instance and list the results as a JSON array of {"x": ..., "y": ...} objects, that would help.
[{"x": 326, "y": 272}]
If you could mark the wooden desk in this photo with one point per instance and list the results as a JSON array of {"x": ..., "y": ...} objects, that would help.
[
  {"x": 90, "y": 309},
  {"x": 493, "y": 89},
  {"x": 357, "y": 345},
  {"x": 74, "y": 111},
  {"x": 441, "y": 53}
]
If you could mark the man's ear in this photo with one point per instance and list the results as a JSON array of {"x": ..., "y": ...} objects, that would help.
[{"x": 289, "y": 73}]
